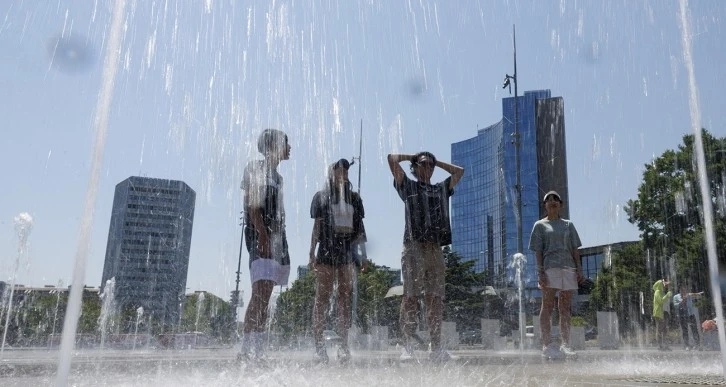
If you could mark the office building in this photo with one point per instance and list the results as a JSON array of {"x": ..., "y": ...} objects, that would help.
[
  {"x": 484, "y": 210},
  {"x": 302, "y": 271},
  {"x": 595, "y": 257},
  {"x": 394, "y": 275},
  {"x": 148, "y": 246}
]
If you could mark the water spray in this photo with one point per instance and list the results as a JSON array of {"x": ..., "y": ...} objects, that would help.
[{"x": 23, "y": 226}]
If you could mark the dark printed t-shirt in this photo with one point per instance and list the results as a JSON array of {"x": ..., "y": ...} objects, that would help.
[
  {"x": 427, "y": 210},
  {"x": 263, "y": 186},
  {"x": 341, "y": 225}
]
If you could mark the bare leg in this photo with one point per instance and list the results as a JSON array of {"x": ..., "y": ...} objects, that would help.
[
  {"x": 545, "y": 314},
  {"x": 565, "y": 307},
  {"x": 256, "y": 315},
  {"x": 345, "y": 291},
  {"x": 323, "y": 288}
]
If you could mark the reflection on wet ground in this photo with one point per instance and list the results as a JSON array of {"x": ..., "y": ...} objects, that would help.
[{"x": 217, "y": 367}]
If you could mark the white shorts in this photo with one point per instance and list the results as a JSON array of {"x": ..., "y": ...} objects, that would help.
[
  {"x": 270, "y": 270},
  {"x": 562, "y": 279}
]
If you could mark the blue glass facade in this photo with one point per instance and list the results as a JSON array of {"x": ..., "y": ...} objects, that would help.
[
  {"x": 478, "y": 206},
  {"x": 484, "y": 208}
]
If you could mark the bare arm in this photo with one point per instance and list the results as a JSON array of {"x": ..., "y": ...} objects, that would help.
[
  {"x": 394, "y": 163},
  {"x": 456, "y": 172},
  {"x": 263, "y": 240},
  {"x": 314, "y": 239},
  {"x": 578, "y": 264},
  {"x": 542, "y": 278}
]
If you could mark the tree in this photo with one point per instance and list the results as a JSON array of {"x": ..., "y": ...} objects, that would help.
[
  {"x": 205, "y": 312},
  {"x": 90, "y": 312},
  {"x": 294, "y": 312},
  {"x": 293, "y": 317},
  {"x": 618, "y": 288},
  {"x": 464, "y": 304},
  {"x": 373, "y": 308},
  {"x": 669, "y": 208}
]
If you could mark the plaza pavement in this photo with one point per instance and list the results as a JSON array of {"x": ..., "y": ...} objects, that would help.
[{"x": 471, "y": 366}]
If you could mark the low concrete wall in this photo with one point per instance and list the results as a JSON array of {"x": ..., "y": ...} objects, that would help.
[
  {"x": 490, "y": 334},
  {"x": 608, "y": 332},
  {"x": 449, "y": 335}
]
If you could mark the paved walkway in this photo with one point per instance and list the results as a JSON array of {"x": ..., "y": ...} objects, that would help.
[{"x": 472, "y": 367}]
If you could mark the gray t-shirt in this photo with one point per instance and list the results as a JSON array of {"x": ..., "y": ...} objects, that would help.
[{"x": 556, "y": 239}]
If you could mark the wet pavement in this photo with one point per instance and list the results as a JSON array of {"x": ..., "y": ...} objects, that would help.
[{"x": 470, "y": 367}]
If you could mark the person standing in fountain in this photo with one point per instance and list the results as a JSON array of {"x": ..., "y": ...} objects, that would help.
[
  {"x": 265, "y": 238},
  {"x": 667, "y": 314},
  {"x": 338, "y": 231},
  {"x": 427, "y": 229},
  {"x": 684, "y": 303},
  {"x": 556, "y": 243},
  {"x": 659, "y": 299}
]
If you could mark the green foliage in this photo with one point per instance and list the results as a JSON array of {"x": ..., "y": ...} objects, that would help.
[
  {"x": 293, "y": 316},
  {"x": 373, "y": 308},
  {"x": 90, "y": 312},
  {"x": 578, "y": 321},
  {"x": 464, "y": 304},
  {"x": 37, "y": 315},
  {"x": 669, "y": 213},
  {"x": 618, "y": 288},
  {"x": 32, "y": 318},
  {"x": 668, "y": 210},
  {"x": 213, "y": 318}
]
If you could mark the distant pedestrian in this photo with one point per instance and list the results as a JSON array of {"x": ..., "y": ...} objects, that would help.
[
  {"x": 556, "y": 244},
  {"x": 427, "y": 228},
  {"x": 709, "y": 325},
  {"x": 660, "y": 297},
  {"x": 264, "y": 236},
  {"x": 684, "y": 304},
  {"x": 338, "y": 232},
  {"x": 667, "y": 313}
]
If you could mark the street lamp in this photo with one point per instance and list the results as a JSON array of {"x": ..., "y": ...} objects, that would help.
[
  {"x": 508, "y": 80},
  {"x": 235, "y": 295},
  {"x": 359, "y": 248}
]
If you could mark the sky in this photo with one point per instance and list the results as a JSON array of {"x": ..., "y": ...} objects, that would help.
[{"x": 198, "y": 81}]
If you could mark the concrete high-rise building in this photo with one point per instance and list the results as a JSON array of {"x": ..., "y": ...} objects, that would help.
[
  {"x": 484, "y": 211},
  {"x": 148, "y": 245}
]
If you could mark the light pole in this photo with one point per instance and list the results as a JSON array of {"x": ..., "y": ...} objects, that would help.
[
  {"x": 235, "y": 295},
  {"x": 358, "y": 248},
  {"x": 508, "y": 79}
]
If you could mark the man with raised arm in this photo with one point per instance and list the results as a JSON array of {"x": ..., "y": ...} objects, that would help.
[{"x": 427, "y": 229}]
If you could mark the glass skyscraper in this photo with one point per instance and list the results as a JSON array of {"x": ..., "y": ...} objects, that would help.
[{"x": 484, "y": 210}]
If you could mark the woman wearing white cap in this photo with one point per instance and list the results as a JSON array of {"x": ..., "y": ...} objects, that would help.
[{"x": 555, "y": 242}]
